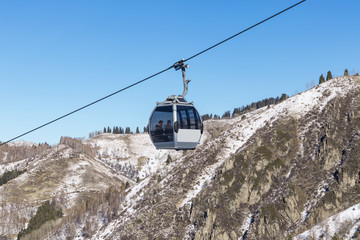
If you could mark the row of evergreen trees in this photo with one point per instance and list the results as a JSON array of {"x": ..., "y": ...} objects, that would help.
[
  {"x": 8, "y": 175},
  {"x": 253, "y": 106},
  {"x": 329, "y": 76},
  {"x": 46, "y": 212},
  {"x": 116, "y": 130},
  {"x": 264, "y": 102},
  {"x": 120, "y": 130}
]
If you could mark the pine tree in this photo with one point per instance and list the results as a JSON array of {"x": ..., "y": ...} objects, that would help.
[
  {"x": 236, "y": 112},
  {"x": 46, "y": 212},
  {"x": 321, "y": 79},
  {"x": 127, "y": 130},
  {"x": 226, "y": 115},
  {"x": 277, "y": 99},
  {"x": 7, "y": 176},
  {"x": 253, "y": 105},
  {"x": 137, "y": 130},
  {"x": 271, "y": 101},
  {"x": 346, "y": 73},
  {"x": 168, "y": 160},
  {"x": 328, "y": 76},
  {"x": 283, "y": 97},
  {"x": 104, "y": 130},
  {"x": 109, "y": 130}
]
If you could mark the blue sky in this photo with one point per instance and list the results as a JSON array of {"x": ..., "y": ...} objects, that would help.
[{"x": 57, "y": 56}]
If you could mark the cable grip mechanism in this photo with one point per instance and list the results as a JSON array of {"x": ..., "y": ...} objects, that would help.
[{"x": 180, "y": 65}]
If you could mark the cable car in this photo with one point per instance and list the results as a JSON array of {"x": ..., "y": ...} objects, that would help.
[{"x": 175, "y": 123}]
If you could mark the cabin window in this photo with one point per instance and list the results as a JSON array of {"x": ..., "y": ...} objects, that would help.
[
  {"x": 188, "y": 118},
  {"x": 161, "y": 124}
]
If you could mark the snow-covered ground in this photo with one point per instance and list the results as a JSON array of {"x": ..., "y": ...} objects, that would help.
[
  {"x": 347, "y": 220},
  {"x": 12, "y": 166},
  {"x": 21, "y": 143},
  {"x": 246, "y": 224},
  {"x": 137, "y": 150},
  {"x": 141, "y": 153},
  {"x": 128, "y": 147},
  {"x": 242, "y": 130}
]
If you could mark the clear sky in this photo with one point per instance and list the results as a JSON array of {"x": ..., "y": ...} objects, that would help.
[{"x": 57, "y": 56}]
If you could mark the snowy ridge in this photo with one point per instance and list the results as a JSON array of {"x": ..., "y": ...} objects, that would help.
[
  {"x": 12, "y": 166},
  {"x": 122, "y": 147},
  {"x": 134, "y": 150},
  {"x": 242, "y": 130},
  {"x": 21, "y": 143},
  {"x": 334, "y": 224},
  {"x": 110, "y": 156},
  {"x": 141, "y": 149}
]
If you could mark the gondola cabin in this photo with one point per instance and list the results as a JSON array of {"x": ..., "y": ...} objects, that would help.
[{"x": 175, "y": 124}]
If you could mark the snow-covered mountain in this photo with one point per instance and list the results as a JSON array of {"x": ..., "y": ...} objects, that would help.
[{"x": 280, "y": 172}]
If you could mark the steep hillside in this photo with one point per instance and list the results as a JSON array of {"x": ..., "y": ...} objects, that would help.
[
  {"x": 269, "y": 174},
  {"x": 60, "y": 175},
  {"x": 86, "y": 179},
  {"x": 12, "y": 155},
  {"x": 279, "y": 172}
]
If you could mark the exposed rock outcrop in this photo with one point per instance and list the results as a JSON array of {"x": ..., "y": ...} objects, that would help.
[{"x": 271, "y": 173}]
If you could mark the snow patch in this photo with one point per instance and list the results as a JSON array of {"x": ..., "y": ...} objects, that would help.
[
  {"x": 319, "y": 194},
  {"x": 245, "y": 126},
  {"x": 21, "y": 143},
  {"x": 334, "y": 224},
  {"x": 246, "y": 225}
]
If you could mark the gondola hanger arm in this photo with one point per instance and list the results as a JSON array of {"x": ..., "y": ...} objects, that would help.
[{"x": 180, "y": 65}]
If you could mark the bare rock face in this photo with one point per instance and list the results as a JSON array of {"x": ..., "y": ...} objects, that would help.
[
  {"x": 288, "y": 176},
  {"x": 299, "y": 167},
  {"x": 271, "y": 173}
]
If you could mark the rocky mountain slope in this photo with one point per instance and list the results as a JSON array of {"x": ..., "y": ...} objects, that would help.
[{"x": 279, "y": 172}]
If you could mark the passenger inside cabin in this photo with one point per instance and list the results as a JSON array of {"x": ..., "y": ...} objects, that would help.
[
  {"x": 159, "y": 133},
  {"x": 169, "y": 130},
  {"x": 159, "y": 128}
]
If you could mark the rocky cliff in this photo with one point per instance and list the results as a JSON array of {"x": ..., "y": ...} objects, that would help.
[{"x": 272, "y": 173}]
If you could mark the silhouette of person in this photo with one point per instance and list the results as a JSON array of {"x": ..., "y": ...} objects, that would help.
[
  {"x": 159, "y": 128},
  {"x": 159, "y": 133},
  {"x": 168, "y": 127},
  {"x": 169, "y": 130}
]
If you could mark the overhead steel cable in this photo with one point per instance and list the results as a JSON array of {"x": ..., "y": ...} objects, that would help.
[
  {"x": 158, "y": 73},
  {"x": 88, "y": 105},
  {"x": 247, "y": 29}
]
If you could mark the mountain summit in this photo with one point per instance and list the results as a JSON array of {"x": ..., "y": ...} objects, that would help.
[{"x": 287, "y": 171}]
